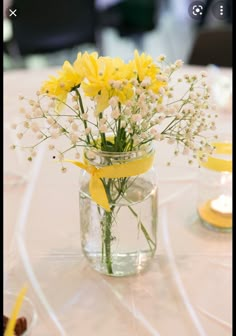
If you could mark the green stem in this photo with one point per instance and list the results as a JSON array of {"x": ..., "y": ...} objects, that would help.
[
  {"x": 107, "y": 241},
  {"x": 174, "y": 120},
  {"x": 103, "y": 137},
  {"x": 106, "y": 231},
  {"x": 82, "y": 110},
  {"x": 146, "y": 234}
]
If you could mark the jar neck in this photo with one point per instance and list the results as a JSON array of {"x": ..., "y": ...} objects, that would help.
[{"x": 99, "y": 158}]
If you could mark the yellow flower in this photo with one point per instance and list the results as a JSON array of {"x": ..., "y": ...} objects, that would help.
[
  {"x": 102, "y": 101},
  {"x": 54, "y": 88},
  {"x": 77, "y": 63},
  {"x": 62, "y": 85},
  {"x": 69, "y": 77},
  {"x": 86, "y": 65},
  {"x": 144, "y": 66},
  {"x": 119, "y": 71},
  {"x": 100, "y": 73},
  {"x": 97, "y": 73},
  {"x": 59, "y": 87},
  {"x": 115, "y": 68},
  {"x": 103, "y": 77}
]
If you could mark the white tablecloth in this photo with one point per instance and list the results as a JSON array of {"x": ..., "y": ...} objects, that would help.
[{"x": 187, "y": 291}]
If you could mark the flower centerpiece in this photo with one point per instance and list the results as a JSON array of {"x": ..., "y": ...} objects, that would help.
[{"x": 116, "y": 111}]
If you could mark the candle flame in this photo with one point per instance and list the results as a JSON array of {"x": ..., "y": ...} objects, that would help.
[{"x": 222, "y": 204}]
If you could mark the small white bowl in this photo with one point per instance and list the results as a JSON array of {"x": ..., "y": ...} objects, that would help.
[{"x": 27, "y": 310}]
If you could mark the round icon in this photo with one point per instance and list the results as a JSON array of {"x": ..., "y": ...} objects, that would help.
[
  {"x": 196, "y": 10},
  {"x": 219, "y": 10}
]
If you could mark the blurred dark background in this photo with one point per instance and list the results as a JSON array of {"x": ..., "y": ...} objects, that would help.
[{"x": 46, "y": 32}]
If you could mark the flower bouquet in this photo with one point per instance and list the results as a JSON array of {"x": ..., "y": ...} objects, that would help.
[{"x": 116, "y": 111}]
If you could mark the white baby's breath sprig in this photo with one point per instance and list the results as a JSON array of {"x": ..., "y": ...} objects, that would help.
[{"x": 138, "y": 102}]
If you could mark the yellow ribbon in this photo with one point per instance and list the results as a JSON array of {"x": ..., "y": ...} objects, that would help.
[
  {"x": 216, "y": 163},
  {"x": 128, "y": 169},
  {"x": 15, "y": 312}
]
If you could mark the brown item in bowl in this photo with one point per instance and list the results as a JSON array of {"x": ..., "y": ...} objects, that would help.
[
  {"x": 20, "y": 327},
  {"x": 5, "y": 320}
]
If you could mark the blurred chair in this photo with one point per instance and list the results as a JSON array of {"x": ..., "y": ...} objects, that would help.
[
  {"x": 131, "y": 18},
  {"x": 212, "y": 46},
  {"x": 137, "y": 16},
  {"x": 48, "y": 26}
]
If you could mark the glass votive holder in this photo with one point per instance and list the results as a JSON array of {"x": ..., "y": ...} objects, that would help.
[
  {"x": 27, "y": 311},
  {"x": 215, "y": 189}
]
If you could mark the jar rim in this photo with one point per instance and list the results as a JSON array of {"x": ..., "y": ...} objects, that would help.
[{"x": 147, "y": 148}]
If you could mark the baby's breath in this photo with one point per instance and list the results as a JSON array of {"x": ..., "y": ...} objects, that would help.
[{"x": 136, "y": 104}]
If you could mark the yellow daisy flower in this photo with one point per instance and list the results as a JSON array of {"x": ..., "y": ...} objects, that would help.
[
  {"x": 69, "y": 77},
  {"x": 100, "y": 72},
  {"x": 144, "y": 66}
]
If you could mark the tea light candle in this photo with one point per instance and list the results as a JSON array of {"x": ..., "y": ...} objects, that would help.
[
  {"x": 215, "y": 192},
  {"x": 222, "y": 204}
]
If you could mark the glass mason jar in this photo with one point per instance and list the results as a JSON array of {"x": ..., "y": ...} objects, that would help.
[
  {"x": 215, "y": 190},
  {"x": 121, "y": 241}
]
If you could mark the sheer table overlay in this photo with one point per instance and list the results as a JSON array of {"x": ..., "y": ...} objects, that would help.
[{"x": 187, "y": 290}]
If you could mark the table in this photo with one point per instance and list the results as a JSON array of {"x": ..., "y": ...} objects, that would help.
[{"x": 188, "y": 289}]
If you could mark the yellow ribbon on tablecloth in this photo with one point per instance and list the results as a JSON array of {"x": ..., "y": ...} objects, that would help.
[
  {"x": 128, "y": 169},
  {"x": 218, "y": 164}
]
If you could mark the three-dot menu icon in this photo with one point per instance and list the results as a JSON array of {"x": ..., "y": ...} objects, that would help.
[{"x": 219, "y": 10}]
